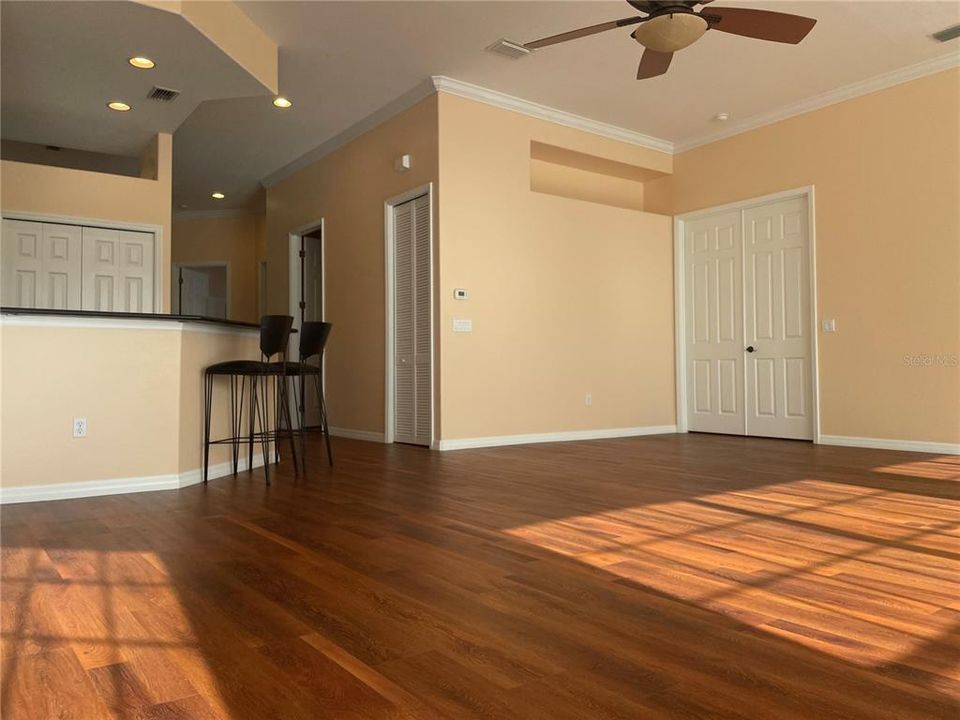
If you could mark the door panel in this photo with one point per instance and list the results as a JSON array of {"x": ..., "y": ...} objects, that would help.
[
  {"x": 423, "y": 361},
  {"x": 117, "y": 270},
  {"x": 714, "y": 324},
  {"x": 41, "y": 265},
  {"x": 413, "y": 324},
  {"x": 777, "y": 322},
  {"x": 404, "y": 382},
  {"x": 22, "y": 265},
  {"x": 61, "y": 267}
]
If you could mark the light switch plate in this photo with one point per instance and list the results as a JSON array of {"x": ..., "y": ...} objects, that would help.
[
  {"x": 829, "y": 325},
  {"x": 461, "y": 325},
  {"x": 460, "y": 294}
]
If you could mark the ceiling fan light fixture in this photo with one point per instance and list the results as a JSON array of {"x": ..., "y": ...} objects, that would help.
[{"x": 671, "y": 31}]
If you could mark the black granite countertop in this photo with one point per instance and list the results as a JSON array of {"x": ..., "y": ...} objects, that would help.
[{"x": 159, "y": 317}]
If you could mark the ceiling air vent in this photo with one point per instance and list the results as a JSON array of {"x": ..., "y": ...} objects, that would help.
[
  {"x": 508, "y": 48},
  {"x": 950, "y": 33},
  {"x": 161, "y": 94}
]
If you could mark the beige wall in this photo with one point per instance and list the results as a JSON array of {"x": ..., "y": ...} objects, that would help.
[
  {"x": 567, "y": 297},
  {"x": 140, "y": 390},
  {"x": 97, "y": 196},
  {"x": 347, "y": 189},
  {"x": 231, "y": 240},
  {"x": 886, "y": 171}
]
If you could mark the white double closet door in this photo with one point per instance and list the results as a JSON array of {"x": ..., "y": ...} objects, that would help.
[
  {"x": 747, "y": 334},
  {"x": 72, "y": 267},
  {"x": 118, "y": 270},
  {"x": 413, "y": 323}
]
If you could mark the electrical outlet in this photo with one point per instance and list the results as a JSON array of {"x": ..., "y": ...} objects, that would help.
[
  {"x": 79, "y": 427},
  {"x": 588, "y": 399}
]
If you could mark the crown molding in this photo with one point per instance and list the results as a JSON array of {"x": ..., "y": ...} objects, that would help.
[
  {"x": 396, "y": 106},
  {"x": 847, "y": 92},
  {"x": 442, "y": 83},
  {"x": 543, "y": 112}
]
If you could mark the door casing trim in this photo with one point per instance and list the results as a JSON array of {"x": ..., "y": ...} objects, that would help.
[{"x": 679, "y": 294}]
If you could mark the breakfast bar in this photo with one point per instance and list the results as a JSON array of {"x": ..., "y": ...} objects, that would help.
[{"x": 97, "y": 403}]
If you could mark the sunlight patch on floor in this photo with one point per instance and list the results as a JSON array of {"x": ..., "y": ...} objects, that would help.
[
  {"x": 110, "y": 618},
  {"x": 853, "y": 571},
  {"x": 946, "y": 467}
]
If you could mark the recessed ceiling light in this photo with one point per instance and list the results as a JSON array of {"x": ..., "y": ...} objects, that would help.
[
  {"x": 281, "y": 102},
  {"x": 721, "y": 117},
  {"x": 144, "y": 63},
  {"x": 118, "y": 106},
  {"x": 217, "y": 196}
]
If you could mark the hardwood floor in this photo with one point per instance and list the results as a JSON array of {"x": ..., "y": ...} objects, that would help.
[{"x": 663, "y": 577}]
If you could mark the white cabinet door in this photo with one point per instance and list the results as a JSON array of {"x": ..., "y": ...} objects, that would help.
[
  {"x": 117, "y": 270},
  {"x": 413, "y": 324},
  {"x": 41, "y": 265},
  {"x": 714, "y": 330},
  {"x": 776, "y": 280}
]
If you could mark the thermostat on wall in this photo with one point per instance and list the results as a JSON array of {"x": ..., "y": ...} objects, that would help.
[{"x": 460, "y": 294}]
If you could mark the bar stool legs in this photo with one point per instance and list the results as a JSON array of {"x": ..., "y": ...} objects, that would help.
[
  {"x": 324, "y": 425},
  {"x": 207, "y": 399}
]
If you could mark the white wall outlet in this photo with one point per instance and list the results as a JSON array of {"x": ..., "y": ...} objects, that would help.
[
  {"x": 79, "y": 427},
  {"x": 829, "y": 325},
  {"x": 588, "y": 399},
  {"x": 462, "y": 325}
]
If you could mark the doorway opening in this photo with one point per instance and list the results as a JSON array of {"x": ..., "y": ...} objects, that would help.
[
  {"x": 202, "y": 289},
  {"x": 307, "y": 301}
]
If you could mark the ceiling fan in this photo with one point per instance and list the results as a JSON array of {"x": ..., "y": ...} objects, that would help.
[{"x": 671, "y": 25}]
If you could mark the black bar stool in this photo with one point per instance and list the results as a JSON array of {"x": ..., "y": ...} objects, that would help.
[
  {"x": 313, "y": 342},
  {"x": 274, "y": 337}
]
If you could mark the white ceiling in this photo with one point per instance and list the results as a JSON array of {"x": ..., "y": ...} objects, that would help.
[
  {"x": 62, "y": 62},
  {"x": 341, "y": 61}
]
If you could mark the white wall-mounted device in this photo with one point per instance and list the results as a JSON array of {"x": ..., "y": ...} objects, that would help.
[{"x": 403, "y": 163}]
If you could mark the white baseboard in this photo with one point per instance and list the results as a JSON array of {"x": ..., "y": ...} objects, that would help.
[
  {"x": 500, "y": 440},
  {"x": 885, "y": 444},
  {"x": 97, "y": 488},
  {"x": 367, "y": 435}
]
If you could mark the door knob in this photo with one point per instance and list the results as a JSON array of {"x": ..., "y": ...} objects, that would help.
[{"x": 751, "y": 348}]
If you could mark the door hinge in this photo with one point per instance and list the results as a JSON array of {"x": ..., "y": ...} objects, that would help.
[{"x": 303, "y": 253}]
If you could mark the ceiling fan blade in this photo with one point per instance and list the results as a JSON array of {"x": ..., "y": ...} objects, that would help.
[
  {"x": 760, "y": 24},
  {"x": 653, "y": 63},
  {"x": 582, "y": 32},
  {"x": 649, "y": 6}
]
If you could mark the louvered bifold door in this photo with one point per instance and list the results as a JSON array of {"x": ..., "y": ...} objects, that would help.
[
  {"x": 405, "y": 415},
  {"x": 413, "y": 366},
  {"x": 423, "y": 360}
]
